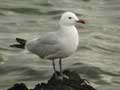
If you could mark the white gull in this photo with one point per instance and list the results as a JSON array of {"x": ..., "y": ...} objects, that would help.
[{"x": 56, "y": 45}]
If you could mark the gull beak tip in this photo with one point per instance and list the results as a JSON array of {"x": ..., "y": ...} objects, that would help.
[{"x": 81, "y": 21}]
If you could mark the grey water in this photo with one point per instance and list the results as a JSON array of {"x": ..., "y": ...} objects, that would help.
[{"x": 97, "y": 58}]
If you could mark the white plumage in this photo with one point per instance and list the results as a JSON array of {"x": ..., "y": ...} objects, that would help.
[{"x": 56, "y": 45}]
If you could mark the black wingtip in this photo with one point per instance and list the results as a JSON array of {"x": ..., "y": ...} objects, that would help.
[
  {"x": 21, "y": 43},
  {"x": 18, "y": 46}
]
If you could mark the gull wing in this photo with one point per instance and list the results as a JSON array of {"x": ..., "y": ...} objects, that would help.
[{"x": 45, "y": 46}]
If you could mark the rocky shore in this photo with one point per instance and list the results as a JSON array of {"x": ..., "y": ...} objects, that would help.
[{"x": 71, "y": 81}]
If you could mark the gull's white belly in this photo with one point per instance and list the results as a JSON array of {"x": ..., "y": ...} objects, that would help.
[{"x": 69, "y": 42}]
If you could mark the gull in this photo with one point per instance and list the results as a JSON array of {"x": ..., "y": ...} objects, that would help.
[{"x": 56, "y": 45}]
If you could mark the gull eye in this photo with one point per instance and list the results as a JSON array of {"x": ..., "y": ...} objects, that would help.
[{"x": 70, "y": 17}]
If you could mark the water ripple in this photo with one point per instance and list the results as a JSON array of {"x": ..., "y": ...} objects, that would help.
[{"x": 23, "y": 10}]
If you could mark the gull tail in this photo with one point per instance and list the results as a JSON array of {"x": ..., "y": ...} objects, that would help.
[{"x": 21, "y": 43}]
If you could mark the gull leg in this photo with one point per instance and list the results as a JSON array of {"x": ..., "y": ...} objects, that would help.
[
  {"x": 60, "y": 63},
  {"x": 53, "y": 63}
]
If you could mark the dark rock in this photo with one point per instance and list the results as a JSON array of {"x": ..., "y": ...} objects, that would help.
[
  {"x": 18, "y": 86},
  {"x": 37, "y": 87},
  {"x": 70, "y": 81}
]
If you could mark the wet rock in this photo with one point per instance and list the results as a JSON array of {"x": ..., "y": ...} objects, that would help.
[
  {"x": 18, "y": 86},
  {"x": 70, "y": 81}
]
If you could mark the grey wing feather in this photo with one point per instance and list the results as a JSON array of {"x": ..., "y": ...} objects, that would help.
[{"x": 45, "y": 46}]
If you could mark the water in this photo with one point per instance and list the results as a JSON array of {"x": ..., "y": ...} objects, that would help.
[{"x": 98, "y": 55}]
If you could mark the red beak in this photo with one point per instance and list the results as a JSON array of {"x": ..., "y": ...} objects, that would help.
[{"x": 81, "y": 21}]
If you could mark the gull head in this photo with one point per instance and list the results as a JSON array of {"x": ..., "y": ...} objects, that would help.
[{"x": 69, "y": 19}]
